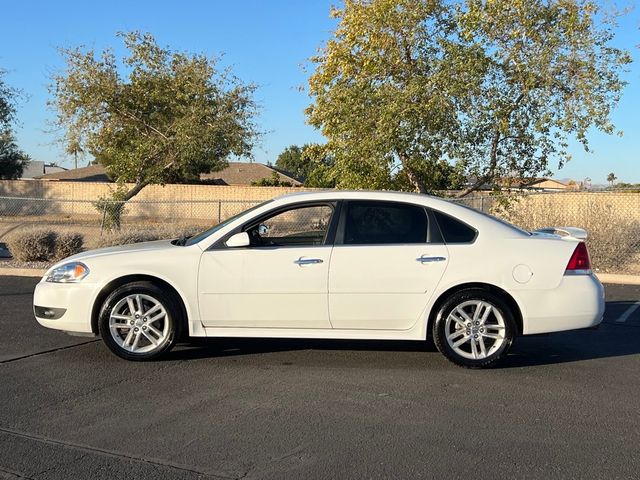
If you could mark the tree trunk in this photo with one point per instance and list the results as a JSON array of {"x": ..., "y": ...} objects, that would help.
[
  {"x": 135, "y": 190},
  {"x": 418, "y": 186},
  {"x": 112, "y": 210}
]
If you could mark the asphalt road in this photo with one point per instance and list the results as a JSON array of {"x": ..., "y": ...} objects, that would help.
[{"x": 565, "y": 405}]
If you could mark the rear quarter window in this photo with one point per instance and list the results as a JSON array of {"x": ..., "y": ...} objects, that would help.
[{"x": 454, "y": 231}]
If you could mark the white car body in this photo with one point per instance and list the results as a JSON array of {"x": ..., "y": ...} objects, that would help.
[{"x": 357, "y": 292}]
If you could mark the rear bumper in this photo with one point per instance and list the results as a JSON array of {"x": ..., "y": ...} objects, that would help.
[
  {"x": 578, "y": 302},
  {"x": 68, "y": 305}
]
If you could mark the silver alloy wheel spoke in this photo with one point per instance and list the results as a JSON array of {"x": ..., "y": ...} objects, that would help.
[
  {"x": 152, "y": 310},
  {"x": 456, "y": 334},
  {"x": 475, "y": 329},
  {"x": 160, "y": 316},
  {"x": 128, "y": 338},
  {"x": 494, "y": 327},
  {"x": 485, "y": 314},
  {"x": 483, "y": 348},
  {"x": 155, "y": 332},
  {"x": 130, "y": 323},
  {"x": 464, "y": 314},
  {"x": 461, "y": 341},
  {"x": 493, "y": 336},
  {"x": 150, "y": 337}
]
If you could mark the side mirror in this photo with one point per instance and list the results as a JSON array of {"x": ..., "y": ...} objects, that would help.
[
  {"x": 263, "y": 229},
  {"x": 238, "y": 240}
]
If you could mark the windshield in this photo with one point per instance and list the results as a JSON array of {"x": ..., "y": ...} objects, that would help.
[{"x": 201, "y": 236}]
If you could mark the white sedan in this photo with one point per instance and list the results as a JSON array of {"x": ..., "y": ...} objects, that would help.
[{"x": 334, "y": 265}]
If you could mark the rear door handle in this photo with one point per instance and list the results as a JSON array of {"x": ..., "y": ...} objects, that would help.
[
  {"x": 426, "y": 259},
  {"x": 307, "y": 261}
]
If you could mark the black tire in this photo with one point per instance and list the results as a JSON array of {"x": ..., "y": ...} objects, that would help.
[
  {"x": 499, "y": 307},
  {"x": 174, "y": 320}
]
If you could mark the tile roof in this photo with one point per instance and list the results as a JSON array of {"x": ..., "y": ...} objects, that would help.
[{"x": 237, "y": 173}]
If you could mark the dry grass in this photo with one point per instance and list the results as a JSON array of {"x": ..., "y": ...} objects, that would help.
[{"x": 612, "y": 223}]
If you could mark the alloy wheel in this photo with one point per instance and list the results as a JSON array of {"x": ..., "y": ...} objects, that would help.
[
  {"x": 139, "y": 323},
  {"x": 475, "y": 329}
]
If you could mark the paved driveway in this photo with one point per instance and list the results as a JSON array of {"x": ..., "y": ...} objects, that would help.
[{"x": 562, "y": 406}]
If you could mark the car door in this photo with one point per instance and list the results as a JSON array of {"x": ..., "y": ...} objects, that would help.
[
  {"x": 279, "y": 280},
  {"x": 387, "y": 260}
]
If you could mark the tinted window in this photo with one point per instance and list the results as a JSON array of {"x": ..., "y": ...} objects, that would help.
[
  {"x": 301, "y": 226},
  {"x": 383, "y": 222},
  {"x": 454, "y": 231}
]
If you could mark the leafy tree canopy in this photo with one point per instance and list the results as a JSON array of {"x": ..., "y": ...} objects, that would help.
[
  {"x": 496, "y": 88},
  {"x": 310, "y": 163},
  {"x": 12, "y": 160},
  {"x": 157, "y": 116}
]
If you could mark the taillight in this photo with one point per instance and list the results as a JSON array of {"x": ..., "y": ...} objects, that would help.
[{"x": 579, "y": 263}]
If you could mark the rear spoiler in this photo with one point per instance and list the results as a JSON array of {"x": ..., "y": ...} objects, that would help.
[{"x": 572, "y": 232}]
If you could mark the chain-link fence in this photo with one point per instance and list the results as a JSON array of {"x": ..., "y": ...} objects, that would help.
[
  {"x": 107, "y": 222},
  {"x": 612, "y": 219}
]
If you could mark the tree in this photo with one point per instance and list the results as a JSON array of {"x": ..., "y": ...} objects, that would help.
[
  {"x": 155, "y": 117},
  {"x": 12, "y": 159},
  {"x": 290, "y": 160},
  {"x": 309, "y": 163},
  {"x": 611, "y": 178},
  {"x": 274, "y": 181},
  {"x": 495, "y": 88}
]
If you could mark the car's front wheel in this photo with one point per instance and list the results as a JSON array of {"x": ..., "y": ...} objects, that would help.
[
  {"x": 140, "y": 321},
  {"x": 474, "y": 328}
]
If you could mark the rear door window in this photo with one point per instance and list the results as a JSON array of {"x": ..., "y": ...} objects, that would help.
[{"x": 379, "y": 223}]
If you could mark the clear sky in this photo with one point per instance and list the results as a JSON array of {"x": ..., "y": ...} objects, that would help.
[{"x": 266, "y": 42}]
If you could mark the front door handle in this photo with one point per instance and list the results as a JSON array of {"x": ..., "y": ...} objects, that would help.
[
  {"x": 307, "y": 261},
  {"x": 426, "y": 259}
]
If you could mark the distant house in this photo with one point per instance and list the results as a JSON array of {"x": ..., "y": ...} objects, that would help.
[
  {"x": 547, "y": 185},
  {"x": 237, "y": 173},
  {"x": 38, "y": 168},
  {"x": 536, "y": 185}
]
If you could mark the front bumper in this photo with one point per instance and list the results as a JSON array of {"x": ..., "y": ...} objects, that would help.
[
  {"x": 76, "y": 299},
  {"x": 578, "y": 302}
]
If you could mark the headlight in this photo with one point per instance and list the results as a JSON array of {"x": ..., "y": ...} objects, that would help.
[{"x": 68, "y": 273}]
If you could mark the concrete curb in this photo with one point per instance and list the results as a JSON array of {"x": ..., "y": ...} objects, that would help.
[
  {"x": 21, "y": 272},
  {"x": 613, "y": 278}
]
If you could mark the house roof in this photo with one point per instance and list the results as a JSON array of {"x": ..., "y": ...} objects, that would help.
[
  {"x": 548, "y": 183},
  {"x": 92, "y": 173},
  {"x": 242, "y": 173},
  {"x": 237, "y": 173},
  {"x": 38, "y": 168}
]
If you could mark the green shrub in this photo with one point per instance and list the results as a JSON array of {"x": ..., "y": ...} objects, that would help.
[
  {"x": 36, "y": 245},
  {"x": 67, "y": 244}
]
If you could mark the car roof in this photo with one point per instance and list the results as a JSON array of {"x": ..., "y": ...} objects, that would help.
[{"x": 466, "y": 214}]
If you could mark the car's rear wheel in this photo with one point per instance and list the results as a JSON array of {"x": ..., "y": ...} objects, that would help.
[
  {"x": 474, "y": 328},
  {"x": 140, "y": 321}
]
